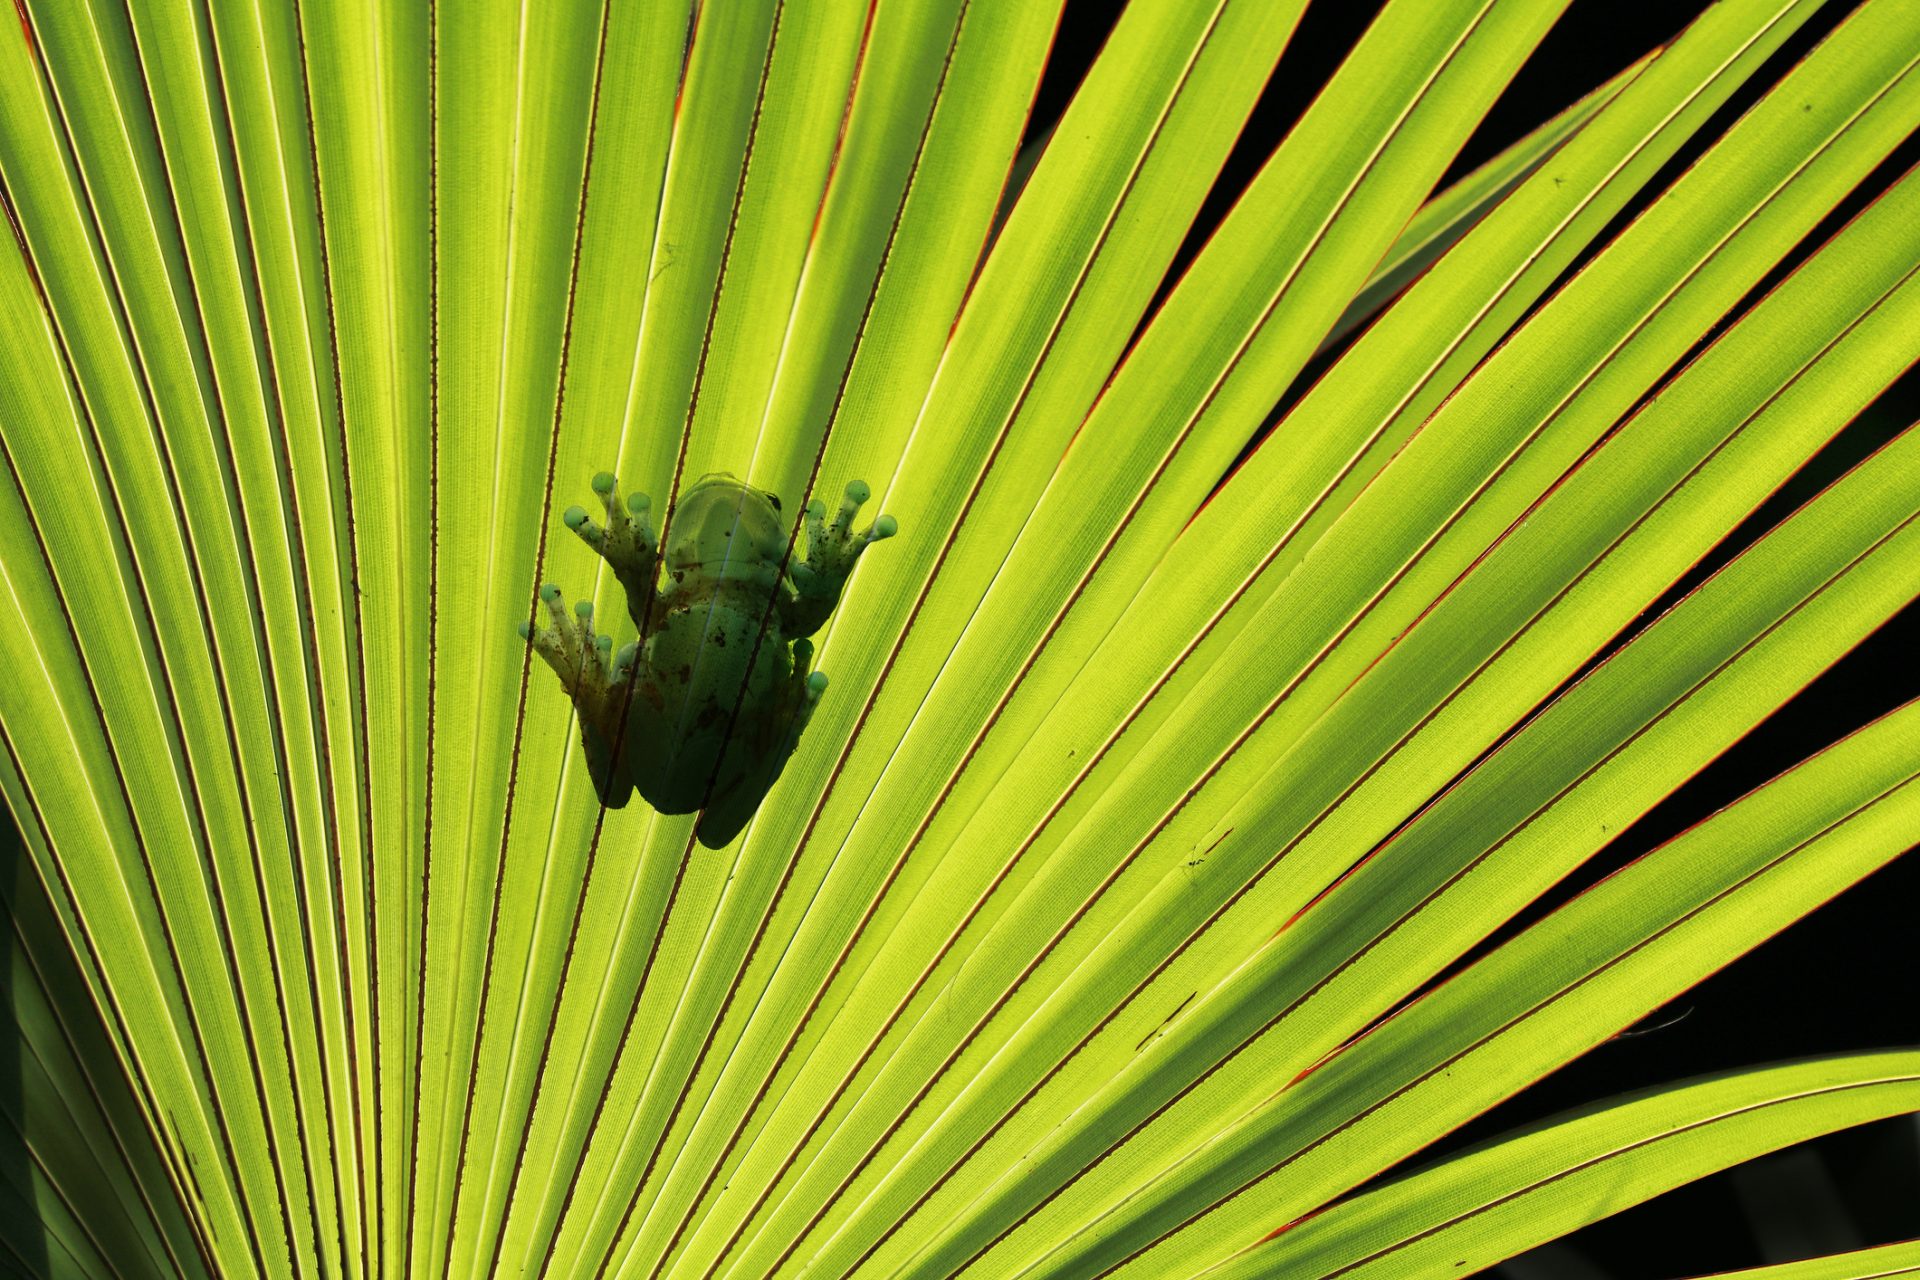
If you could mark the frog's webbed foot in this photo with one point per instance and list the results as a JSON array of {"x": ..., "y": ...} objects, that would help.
[
  {"x": 769, "y": 745},
  {"x": 625, "y": 542},
  {"x": 832, "y": 550},
  {"x": 596, "y": 679}
]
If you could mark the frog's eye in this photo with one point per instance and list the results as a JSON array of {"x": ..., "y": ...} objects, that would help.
[{"x": 774, "y": 498}]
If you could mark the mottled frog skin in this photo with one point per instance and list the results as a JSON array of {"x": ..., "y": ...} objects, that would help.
[{"x": 702, "y": 712}]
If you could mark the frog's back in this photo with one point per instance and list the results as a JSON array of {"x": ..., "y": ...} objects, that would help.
[{"x": 710, "y": 673}]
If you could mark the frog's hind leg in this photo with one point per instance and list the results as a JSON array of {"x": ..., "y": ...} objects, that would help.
[
  {"x": 599, "y": 684},
  {"x": 729, "y": 808}
]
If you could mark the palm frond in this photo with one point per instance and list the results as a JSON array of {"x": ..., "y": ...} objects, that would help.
[{"x": 1278, "y": 614}]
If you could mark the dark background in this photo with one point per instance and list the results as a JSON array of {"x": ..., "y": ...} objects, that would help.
[{"x": 1841, "y": 979}]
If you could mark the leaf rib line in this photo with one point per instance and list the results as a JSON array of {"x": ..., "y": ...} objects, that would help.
[
  {"x": 626, "y": 704},
  {"x": 121, "y": 1036},
  {"x": 693, "y": 17},
  {"x": 647, "y": 613},
  {"x": 1523, "y": 1016},
  {"x": 1247, "y": 734},
  {"x": 371, "y": 1239},
  {"x": 1624, "y": 1149},
  {"x": 433, "y": 614},
  {"x": 526, "y": 658},
  {"x": 247, "y": 558},
  {"x": 129, "y": 1064},
  {"x": 1304, "y": 998},
  {"x": 86, "y": 1071},
  {"x": 1408, "y": 737},
  {"x": 893, "y": 655},
  {"x": 309, "y": 637},
  {"x": 1498, "y": 296},
  {"x": 58, "y": 338},
  {"x": 813, "y": 240},
  {"x": 833, "y": 415},
  {"x": 111, "y": 285},
  {"x": 566, "y": 346},
  {"x": 1744, "y": 649},
  {"x": 1006, "y": 698},
  {"x": 1219, "y": 383}
]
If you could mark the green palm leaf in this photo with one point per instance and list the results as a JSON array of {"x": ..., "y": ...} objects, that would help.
[{"x": 1267, "y": 628}]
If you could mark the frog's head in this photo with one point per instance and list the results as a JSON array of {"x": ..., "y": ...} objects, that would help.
[{"x": 724, "y": 530}]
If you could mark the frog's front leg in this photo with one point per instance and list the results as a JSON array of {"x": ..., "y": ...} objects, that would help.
[
  {"x": 627, "y": 544},
  {"x": 832, "y": 550},
  {"x": 601, "y": 684},
  {"x": 766, "y": 741}
]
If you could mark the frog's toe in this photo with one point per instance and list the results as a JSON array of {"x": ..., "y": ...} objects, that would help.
[
  {"x": 626, "y": 534},
  {"x": 833, "y": 548},
  {"x": 558, "y": 644},
  {"x": 624, "y": 538},
  {"x": 596, "y": 679},
  {"x": 808, "y": 684},
  {"x": 851, "y": 500},
  {"x": 623, "y": 661},
  {"x": 578, "y": 655},
  {"x": 576, "y": 518}
]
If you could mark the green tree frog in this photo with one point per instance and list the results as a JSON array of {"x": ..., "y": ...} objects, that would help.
[{"x": 705, "y": 709}]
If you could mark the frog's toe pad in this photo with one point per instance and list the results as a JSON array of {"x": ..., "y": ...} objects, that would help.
[
  {"x": 833, "y": 548},
  {"x": 578, "y": 655},
  {"x": 624, "y": 536}
]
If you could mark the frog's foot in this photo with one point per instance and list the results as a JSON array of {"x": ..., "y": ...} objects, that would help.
[
  {"x": 803, "y": 692},
  {"x": 832, "y": 550},
  {"x": 728, "y": 809},
  {"x": 595, "y": 678},
  {"x": 625, "y": 541}
]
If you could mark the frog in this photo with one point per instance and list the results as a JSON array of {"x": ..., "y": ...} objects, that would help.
[{"x": 702, "y": 711}]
